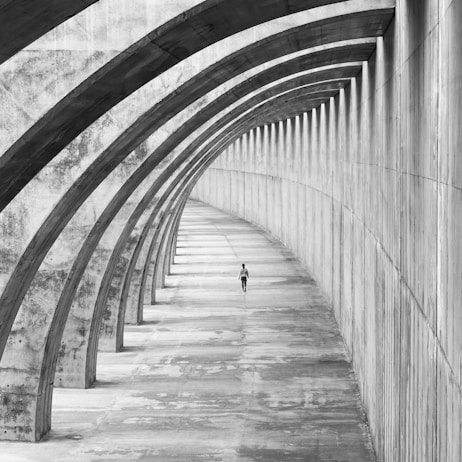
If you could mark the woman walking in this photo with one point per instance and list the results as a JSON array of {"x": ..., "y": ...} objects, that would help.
[{"x": 243, "y": 276}]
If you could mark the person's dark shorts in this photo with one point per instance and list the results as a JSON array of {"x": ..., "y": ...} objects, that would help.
[{"x": 244, "y": 279}]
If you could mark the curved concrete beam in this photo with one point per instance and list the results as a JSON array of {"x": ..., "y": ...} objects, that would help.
[
  {"x": 44, "y": 394},
  {"x": 160, "y": 260},
  {"x": 45, "y": 390},
  {"x": 71, "y": 282},
  {"x": 57, "y": 220},
  {"x": 61, "y": 217},
  {"x": 179, "y": 38},
  {"x": 87, "y": 250},
  {"x": 108, "y": 282},
  {"x": 74, "y": 282},
  {"x": 129, "y": 278},
  {"x": 171, "y": 244},
  {"x": 174, "y": 191},
  {"x": 111, "y": 297},
  {"x": 60, "y": 316},
  {"x": 90, "y": 245},
  {"x": 22, "y": 22},
  {"x": 36, "y": 78},
  {"x": 151, "y": 56},
  {"x": 203, "y": 164}
]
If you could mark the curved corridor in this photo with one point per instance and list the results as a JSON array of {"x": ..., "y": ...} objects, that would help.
[{"x": 214, "y": 374}]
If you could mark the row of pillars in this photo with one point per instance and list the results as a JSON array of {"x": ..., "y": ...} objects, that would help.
[{"x": 112, "y": 291}]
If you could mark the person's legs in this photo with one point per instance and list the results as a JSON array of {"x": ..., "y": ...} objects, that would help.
[{"x": 244, "y": 284}]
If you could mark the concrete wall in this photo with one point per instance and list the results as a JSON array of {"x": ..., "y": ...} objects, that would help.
[{"x": 367, "y": 191}]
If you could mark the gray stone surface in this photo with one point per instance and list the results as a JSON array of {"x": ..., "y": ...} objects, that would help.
[{"x": 215, "y": 374}]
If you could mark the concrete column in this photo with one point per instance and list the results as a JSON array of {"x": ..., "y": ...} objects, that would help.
[{"x": 280, "y": 168}]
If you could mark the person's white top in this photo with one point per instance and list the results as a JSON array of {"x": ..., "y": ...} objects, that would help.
[{"x": 243, "y": 273}]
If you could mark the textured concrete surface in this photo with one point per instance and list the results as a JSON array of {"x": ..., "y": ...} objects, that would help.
[
  {"x": 52, "y": 226},
  {"x": 51, "y": 274},
  {"x": 366, "y": 190},
  {"x": 214, "y": 374},
  {"x": 155, "y": 53}
]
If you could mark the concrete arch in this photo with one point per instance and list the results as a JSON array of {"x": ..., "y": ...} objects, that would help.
[
  {"x": 158, "y": 51},
  {"x": 170, "y": 246},
  {"x": 36, "y": 78},
  {"x": 297, "y": 82},
  {"x": 371, "y": 176},
  {"x": 181, "y": 195},
  {"x": 74, "y": 206},
  {"x": 146, "y": 280},
  {"x": 53, "y": 330},
  {"x": 23, "y": 22},
  {"x": 45, "y": 381},
  {"x": 44, "y": 402},
  {"x": 107, "y": 281},
  {"x": 123, "y": 255},
  {"x": 125, "y": 283},
  {"x": 88, "y": 248},
  {"x": 174, "y": 241},
  {"x": 78, "y": 193}
]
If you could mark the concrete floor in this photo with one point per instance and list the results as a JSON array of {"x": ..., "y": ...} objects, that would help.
[{"x": 214, "y": 374}]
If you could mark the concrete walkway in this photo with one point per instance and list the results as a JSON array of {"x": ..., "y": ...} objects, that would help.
[{"x": 215, "y": 374}]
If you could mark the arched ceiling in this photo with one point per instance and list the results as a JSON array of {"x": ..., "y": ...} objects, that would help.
[
  {"x": 22, "y": 22},
  {"x": 157, "y": 52},
  {"x": 205, "y": 24},
  {"x": 317, "y": 60}
]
